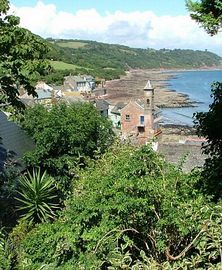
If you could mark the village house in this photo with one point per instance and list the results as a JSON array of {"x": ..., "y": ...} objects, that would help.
[
  {"x": 139, "y": 119},
  {"x": 102, "y": 106},
  {"x": 115, "y": 114},
  {"x": 46, "y": 95},
  {"x": 85, "y": 83}
]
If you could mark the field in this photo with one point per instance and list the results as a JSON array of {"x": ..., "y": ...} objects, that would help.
[
  {"x": 59, "y": 65},
  {"x": 72, "y": 44}
]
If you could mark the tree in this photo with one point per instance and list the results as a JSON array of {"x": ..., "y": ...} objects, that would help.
[
  {"x": 21, "y": 59},
  {"x": 65, "y": 136},
  {"x": 208, "y": 13},
  {"x": 209, "y": 125}
]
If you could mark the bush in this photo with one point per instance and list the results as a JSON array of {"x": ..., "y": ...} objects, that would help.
[{"x": 128, "y": 202}]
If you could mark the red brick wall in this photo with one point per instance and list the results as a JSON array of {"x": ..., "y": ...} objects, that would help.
[{"x": 132, "y": 127}]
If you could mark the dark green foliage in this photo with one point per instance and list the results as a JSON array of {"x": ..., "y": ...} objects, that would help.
[
  {"x": 130, "y": 200},
  {"x": 4, "y": 6},
  {"x": 5, "y": 260},
  {"x": 36, "y": 196},
  {"x": 8, "y": 183},
  {"x": 209, "y": 125},
  {"x": 65, "y": 137},
  {"x": 21, "y": 59},
  {"x": 208, "y": 13}
]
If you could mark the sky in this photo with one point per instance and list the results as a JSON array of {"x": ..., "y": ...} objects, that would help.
[{"x": 136, "y": 23}]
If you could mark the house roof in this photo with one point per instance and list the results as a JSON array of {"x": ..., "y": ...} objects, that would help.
[
  {"x": 43, "y": 94},
  {"x": 79, "y": 79},
  {"x": 140, "y": 102},
  {"x": 102, "y": 104},
  {"x": 43, "y": 85},
  {"x": 14, "y": 141},
  {"x": 118, "y": 107}
]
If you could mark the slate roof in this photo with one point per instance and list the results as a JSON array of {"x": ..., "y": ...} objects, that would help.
[
  {"x": 118, "y": 107},
  {"x": 14, "y": 141},
  {"x": 79, "y": 79},
  {"x": 101, "y": 104},
  {"x": 43, "y": 94},
  {"x": 140, "y": 102}
]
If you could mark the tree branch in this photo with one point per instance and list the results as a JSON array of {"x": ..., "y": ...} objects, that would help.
[{"x": 172, "y": 258}]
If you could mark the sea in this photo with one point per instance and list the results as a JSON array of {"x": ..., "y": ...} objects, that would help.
[{"x": 195, "y": 84}]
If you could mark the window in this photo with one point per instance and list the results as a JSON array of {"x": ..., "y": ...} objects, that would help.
[
  {"x": 141, "y": 129},
  {"x": 142, "y": 120},
  {"x": 148, "y": 102},
  {"x": 127, "y": 118}
]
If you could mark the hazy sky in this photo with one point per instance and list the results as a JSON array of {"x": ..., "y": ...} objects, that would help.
[{"x": 135, "y": 23}]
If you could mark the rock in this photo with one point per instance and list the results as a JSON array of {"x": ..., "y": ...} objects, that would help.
[{"x": 131, "y": 87}]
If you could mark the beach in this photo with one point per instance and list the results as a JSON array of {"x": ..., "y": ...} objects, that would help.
[{"x": 132, "y": 84}]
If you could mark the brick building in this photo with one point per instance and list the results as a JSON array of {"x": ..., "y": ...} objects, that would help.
[{"x": 139, "y": 118}]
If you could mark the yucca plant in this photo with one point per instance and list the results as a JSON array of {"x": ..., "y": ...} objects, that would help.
[{"x": 37, "y": 194}]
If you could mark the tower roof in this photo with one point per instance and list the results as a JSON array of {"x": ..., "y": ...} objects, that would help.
[{"x": 148, "y": 86}]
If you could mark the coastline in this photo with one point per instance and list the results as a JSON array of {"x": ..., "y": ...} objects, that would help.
[
  {"x": 176, "y": 141},
  {"x": 130, "y": 86}
]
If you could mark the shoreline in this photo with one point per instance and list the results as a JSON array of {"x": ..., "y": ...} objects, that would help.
[{"x": 130, "y": 86}]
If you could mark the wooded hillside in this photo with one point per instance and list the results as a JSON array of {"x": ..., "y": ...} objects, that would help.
[{"x": 109, "y": 61}]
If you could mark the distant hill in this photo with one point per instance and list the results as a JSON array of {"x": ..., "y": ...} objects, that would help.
[{"x": 109, "y": 61}]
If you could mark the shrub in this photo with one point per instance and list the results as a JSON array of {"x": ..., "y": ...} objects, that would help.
[{"x": 129, "y": 201}]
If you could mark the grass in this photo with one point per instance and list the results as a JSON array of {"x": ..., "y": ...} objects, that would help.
[
  {"x": 72, "y": 44},
  {"x": 59, "y": 65}
]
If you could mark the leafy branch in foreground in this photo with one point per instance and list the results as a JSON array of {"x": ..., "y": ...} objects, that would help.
[
  {"x": 21, "y": 59},
  {"x": 209, "y": 125},
  {"x": 208, "y": 13},
  {"x": 37, "y": 195}
]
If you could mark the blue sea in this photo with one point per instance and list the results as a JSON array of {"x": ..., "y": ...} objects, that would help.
[{"x": 197, "y": 85}]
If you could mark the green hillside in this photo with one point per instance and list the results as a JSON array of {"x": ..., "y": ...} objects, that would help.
[
  {"x": 109, "y": 61},
  {"x": 59, "y": 65}
]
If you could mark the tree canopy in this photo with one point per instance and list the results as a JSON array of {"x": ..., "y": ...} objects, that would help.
[
  {"x": 208, "y": 124},
  {"x": 208, "y": 13},
  {"x": 65, "y": 136},
  {"x": 21, "y": 59}
]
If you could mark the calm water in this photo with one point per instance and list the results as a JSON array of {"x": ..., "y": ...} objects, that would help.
[{"x": 197, "y": 85}]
